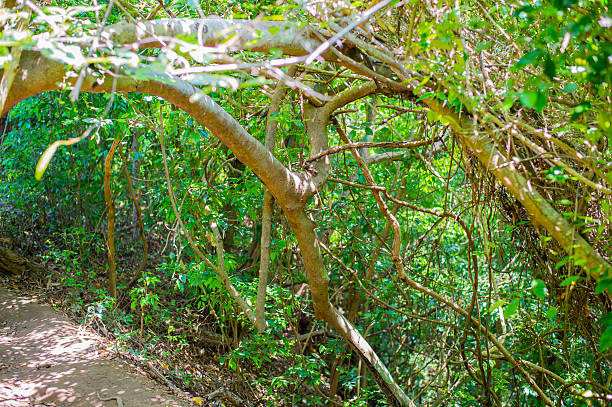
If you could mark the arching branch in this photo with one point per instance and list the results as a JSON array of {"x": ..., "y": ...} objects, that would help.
[{"x": 38, "y": 74}]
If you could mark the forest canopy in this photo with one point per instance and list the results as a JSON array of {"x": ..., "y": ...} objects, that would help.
[{"x": 414, "y": 195}]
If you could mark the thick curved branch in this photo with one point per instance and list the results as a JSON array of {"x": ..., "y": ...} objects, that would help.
[
  {"x": 349, "y": 95},
  {"x": 38, "y": 74},
  {"x": 540, "y": 211},
  {"x": 318, "y": 280},
  {"x": 317, "y": 120},
  {"x": 227, "y": 35},
  {"x": 369, "y": 144}
]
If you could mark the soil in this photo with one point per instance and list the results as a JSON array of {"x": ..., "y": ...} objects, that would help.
[{"x": 45, "y": 360}]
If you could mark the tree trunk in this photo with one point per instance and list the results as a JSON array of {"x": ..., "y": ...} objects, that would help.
[{"x": 12, "y": 263}]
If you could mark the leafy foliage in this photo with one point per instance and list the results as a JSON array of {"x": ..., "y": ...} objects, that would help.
[{"x": 490, "y": 292}]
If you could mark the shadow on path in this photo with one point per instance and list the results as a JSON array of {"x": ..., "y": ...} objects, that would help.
[{"x": 46, "y": 361}]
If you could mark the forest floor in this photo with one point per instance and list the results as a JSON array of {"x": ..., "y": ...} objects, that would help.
[{"x": 45, "y": 360}]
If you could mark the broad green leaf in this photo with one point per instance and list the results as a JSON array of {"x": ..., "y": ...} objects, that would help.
[
  {"x": 569, "y": 281},
  {"x": 529, "y": 59},
  {"x": 606, "y": 319},
  {"x": 606, "y": 339},
  {"x": 442, "y": 44},
  {"x": 511, "y": 308},
  {"x": 551, "y": 312},
  {"x": 496, "y": 305},
  {"x": 232, "y": 364},
  {"x": 508, "y": 102},
  {"x": 603, "y": 285},
  {"x": 533, "y": 100},
  {"x": 539, "y": 288}
]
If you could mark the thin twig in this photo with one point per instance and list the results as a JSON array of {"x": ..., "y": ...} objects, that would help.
[{"x": 367, "y": 144}]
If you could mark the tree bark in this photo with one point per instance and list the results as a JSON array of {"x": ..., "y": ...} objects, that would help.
[
  {"x": 110, "y": 207},
  {"x": 14, "y": 264}
]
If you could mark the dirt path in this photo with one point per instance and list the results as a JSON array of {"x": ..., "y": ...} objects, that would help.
[{"x": 47, "y": 361}]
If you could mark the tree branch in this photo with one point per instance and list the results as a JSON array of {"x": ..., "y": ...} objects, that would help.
[{"x": 38, "y": 74}]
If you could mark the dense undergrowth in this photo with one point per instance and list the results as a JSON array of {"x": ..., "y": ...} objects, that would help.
[{"x": 185, "y": 327}]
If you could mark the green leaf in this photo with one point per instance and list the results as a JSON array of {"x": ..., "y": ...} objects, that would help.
[
  {"x": 511, "y": 308},
  {"x": 440, "y": 44},
  {"x": 508, "y": 102},
  {"x": 603, "y": 285},
  {"x": 570, "y": 87},
  {"x": 549, "y": 67},
  {"x": 432, "y": 116},
  {"x": 565, "y": 202},
  {"x": 533, "y": 100},
  {"x": 551, "y": 312},
  {"x": 529, "y": 59},
  {"x": 539, "y": 288},
  {"x": 232, "y": 364},
  {"x": 496, "y": 305},
  {"x": 606, "y": 339},
  {"x": 580, "y": 110},
  {"x": 569, "y": 281},
  {"x": 606, "y": 319}
]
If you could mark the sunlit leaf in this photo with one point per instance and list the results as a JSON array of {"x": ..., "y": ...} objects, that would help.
[
  {"x": 511, "y": 308},
  {"x": 44, "y": 160},
  {"x": 232, "y": 364},
  {"x": 496, "y": 305},
  {"x": 71, "y": 55},
  {"x": 533, "y": 100},
  {"x": 539, "y": 288},
  {"x": 569, "y": 280}
]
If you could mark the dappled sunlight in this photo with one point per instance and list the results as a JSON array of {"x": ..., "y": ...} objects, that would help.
[{"x": 44, "y": 358}]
